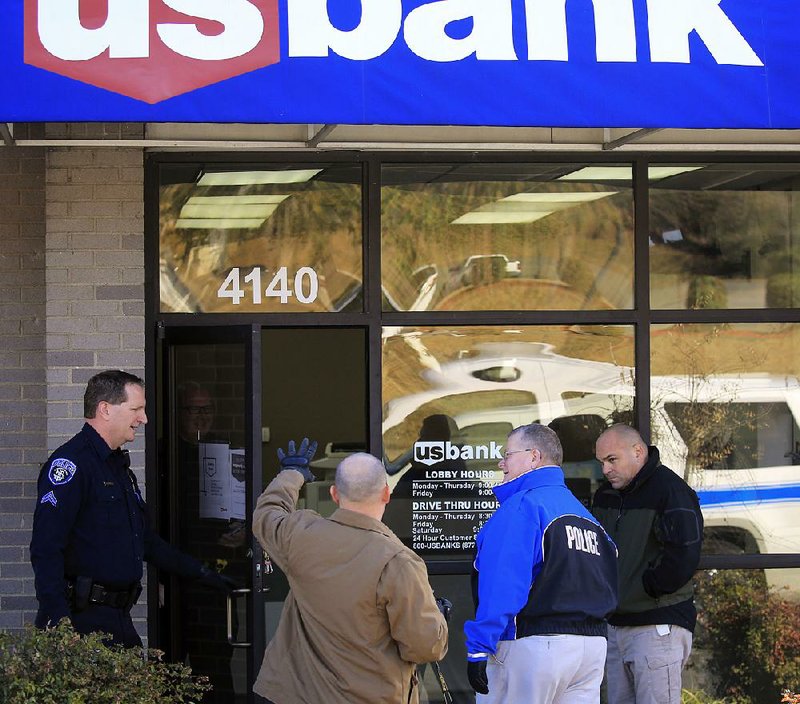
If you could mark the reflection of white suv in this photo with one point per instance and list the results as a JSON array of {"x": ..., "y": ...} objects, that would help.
[
  {"x": 483, "y": 267},
  {"x": 736, "y": 439}
]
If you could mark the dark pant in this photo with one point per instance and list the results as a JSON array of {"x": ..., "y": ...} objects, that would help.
[{"x": 116, "y": 622}]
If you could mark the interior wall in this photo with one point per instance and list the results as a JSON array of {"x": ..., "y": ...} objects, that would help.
[{"x": 314, "y": 385}]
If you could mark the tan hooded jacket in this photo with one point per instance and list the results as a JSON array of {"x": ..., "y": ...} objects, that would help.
[{"x": 360, "y": 613}]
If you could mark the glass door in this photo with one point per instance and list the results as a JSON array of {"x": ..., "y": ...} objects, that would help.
[
  {"x": 314, "y": 383},
  {"x": 229, "y": 398},
  {"x": 206, "y": 457}
]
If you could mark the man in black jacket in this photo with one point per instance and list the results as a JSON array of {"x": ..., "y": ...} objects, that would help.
[
  {"x": 654, "y": 518},
  {"x": 90, "y": 532}
]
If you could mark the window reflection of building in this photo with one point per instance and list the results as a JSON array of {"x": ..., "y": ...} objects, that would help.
[
  {"x": 273, "y": 224},
  {"x": 460, "y": 237},
  {"x": 472, "y": 386}
]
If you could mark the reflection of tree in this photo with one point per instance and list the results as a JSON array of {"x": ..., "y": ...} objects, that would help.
[
  {"x": 714, "y": 430},
  {"x": 783, "y": 291},
  {"x": 701, "y": 400},
  {"x": 706, "y": 292},
  {"x": 418, "y": 230},
  {"x": 724, "y": 233}
]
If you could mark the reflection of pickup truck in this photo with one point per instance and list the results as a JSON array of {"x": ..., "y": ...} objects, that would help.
[{"x": 485, "y": 268}]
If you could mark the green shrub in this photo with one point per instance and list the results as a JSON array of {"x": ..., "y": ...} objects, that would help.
[
  {"x": 690, "y": 697},
  {"x": 752, "y": 635},
  {"x": 59, "y": 666},
  {"x": 706, "y": 292},
  {"x": 783, "y": 291}
]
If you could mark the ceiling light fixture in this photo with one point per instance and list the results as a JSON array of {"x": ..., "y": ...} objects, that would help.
[
  {"x": 624, "y": 173},
  {"x": 254, "y": 178},
  {"x": 526, "y": 207},
  {"x": 227, "y": 212}
]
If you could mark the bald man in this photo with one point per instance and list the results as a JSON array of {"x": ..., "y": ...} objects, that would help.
[
  {"x": 360, "y": 614},
  {"x": 654, "y": 518}
]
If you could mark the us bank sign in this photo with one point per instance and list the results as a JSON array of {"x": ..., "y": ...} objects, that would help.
[{"x": 638, "y": 63}]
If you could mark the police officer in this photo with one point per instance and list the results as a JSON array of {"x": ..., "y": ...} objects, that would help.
[{"x": 90, "y": 534}]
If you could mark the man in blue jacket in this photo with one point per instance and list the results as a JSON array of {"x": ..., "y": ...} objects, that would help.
[{"x": 546, "y": 581}]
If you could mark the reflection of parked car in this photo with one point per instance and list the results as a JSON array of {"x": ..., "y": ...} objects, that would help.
[{"x": 485, "y": 268}]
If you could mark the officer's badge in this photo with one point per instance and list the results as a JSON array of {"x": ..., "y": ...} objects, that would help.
[
  {"x": 61, "y": 471},
  {"x": 49, "y": 498}
]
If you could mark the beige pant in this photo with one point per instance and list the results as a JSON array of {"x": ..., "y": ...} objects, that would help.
[
  {"x": 556, "y": 669},
  {"x": 644, "y": 667}
]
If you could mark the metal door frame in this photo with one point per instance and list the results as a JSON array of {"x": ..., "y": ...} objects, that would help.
[{"x": 162, "y": 362}]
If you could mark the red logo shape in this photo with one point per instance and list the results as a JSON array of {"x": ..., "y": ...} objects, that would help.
[{"x": 151, "y": 50}]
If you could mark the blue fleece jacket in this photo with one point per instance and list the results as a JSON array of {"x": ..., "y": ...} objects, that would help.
[{"x": 544, "y": 565}]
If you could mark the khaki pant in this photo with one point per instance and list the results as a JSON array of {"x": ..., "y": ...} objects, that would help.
[
  {"x": 644, "y": 666},
  {"x": 555, "y": 669}
]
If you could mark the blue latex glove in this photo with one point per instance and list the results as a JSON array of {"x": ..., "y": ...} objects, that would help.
[
  {"x": 299, "y": 458},
  {"x": 445, "y": 606}
]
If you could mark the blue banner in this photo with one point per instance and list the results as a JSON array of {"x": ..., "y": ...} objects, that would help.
[{"x": 544, "y": 63}]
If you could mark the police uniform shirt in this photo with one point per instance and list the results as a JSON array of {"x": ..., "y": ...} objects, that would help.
[{"x": 90, "y": 521}]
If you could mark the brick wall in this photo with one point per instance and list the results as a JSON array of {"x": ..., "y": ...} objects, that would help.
[
  {"x": 95, "y": 283},
  {"x": 72, "y": 304},
  {"x": 22, "y": 371}
]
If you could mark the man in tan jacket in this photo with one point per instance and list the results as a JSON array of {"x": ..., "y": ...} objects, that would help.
[{"x": 360, "y": 613}]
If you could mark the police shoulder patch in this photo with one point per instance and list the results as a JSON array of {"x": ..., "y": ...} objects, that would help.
[{"x": 61, "y": 471}]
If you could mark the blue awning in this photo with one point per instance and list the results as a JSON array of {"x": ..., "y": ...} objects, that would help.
[{"x": 547, "y": 63}]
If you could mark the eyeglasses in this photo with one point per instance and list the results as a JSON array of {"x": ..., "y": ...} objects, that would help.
[
  {"x": 514, "y": 452},
  {"x": 198, "y": 410}
]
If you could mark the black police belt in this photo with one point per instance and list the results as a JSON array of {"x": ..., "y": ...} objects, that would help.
[{"x": 83, "y": 592}]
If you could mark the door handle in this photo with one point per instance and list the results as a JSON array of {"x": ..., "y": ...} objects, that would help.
[{"x": 231, "y": 596}]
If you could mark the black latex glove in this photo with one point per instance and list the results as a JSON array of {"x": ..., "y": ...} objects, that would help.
[
  {"x": 299, "y": 459},
  {"x": 445, "y": 606},
  {"x": 217, "y": 581},
  {"x": 476, "y": 672}
]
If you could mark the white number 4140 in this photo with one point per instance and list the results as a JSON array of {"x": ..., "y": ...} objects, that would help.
[{"x": 306, "y": 285}]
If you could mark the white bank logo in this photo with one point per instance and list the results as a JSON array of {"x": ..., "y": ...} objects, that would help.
[
  {"x": 432, "y": 452},
  {"x": 670, "y": 24}
]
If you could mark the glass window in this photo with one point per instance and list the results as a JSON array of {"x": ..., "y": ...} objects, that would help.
[
  {"x": 723, "y": 236},
  {"x": 506, "y": 237},
  {"x": 725, "y": 407},
  {"x": 269, "y": 239},
  {"x": 451, "y": 396}
]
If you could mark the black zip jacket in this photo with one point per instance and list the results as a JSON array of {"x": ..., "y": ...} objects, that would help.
[{"x": 658, "y": 528}]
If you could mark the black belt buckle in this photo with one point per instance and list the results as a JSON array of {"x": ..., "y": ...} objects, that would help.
[
  {"x": 101, "y": 596},
  {"x": 116, "y": 599}
]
